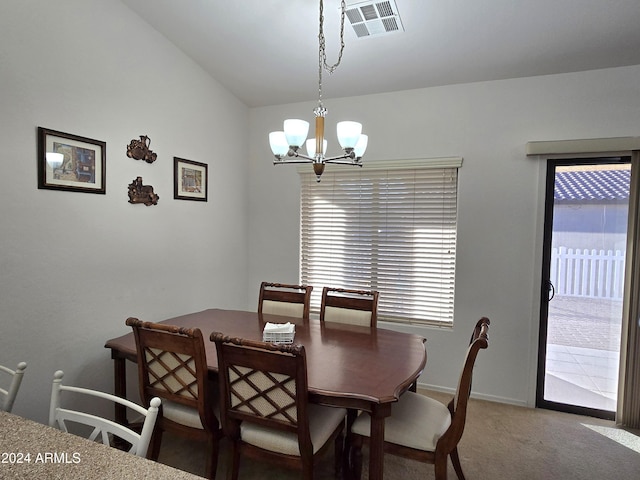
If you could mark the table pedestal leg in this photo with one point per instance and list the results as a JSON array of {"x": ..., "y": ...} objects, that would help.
[{"x": 120, "y": 388}]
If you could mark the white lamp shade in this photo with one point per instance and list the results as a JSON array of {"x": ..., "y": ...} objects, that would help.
[
  {"x": 296, "y": 131},
  {"x": 311, "y": 147},
  {"x": 361, "y": 146},
  {"x": 348, "y": 133},
  {"x": 278, "y": 143},
  {"x": 54, "y": 159}
]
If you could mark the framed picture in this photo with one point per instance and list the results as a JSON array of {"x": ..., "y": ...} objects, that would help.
[
  {"x": 70, "y": 162},
  {"x": 190, "y": 180}
]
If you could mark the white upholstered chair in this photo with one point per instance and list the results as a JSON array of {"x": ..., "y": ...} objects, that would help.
[
  {"x": 104, "y": 430},
  {"x": 283, "y": 299},
  {"x": 421, "y": 428},
  {"x": 353, "y": 307},
  {"x": 8, "y": 396}
]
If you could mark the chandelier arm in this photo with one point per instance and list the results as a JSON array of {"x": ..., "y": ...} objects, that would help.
[
  {"x": 302, "y": 155},
  {"x": 295, "y": 154},
  {"x": 280, "y": 162},
  {"x": 347, "y": 154},
  {"x": 343, "y": 161}
]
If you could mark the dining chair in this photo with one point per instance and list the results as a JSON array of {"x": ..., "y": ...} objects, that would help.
[
  {"x": 283, "y": 299},
  {"x": 421, "y": 428},
  {"x": 172, "y": 365},
  {"x": 8, "y": 396},
  {"x": 104, "y": 430},
  {"x": 265, "y": 409},
  {"x": 353, "y": 307}
]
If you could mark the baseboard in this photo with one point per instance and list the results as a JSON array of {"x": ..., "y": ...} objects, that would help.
[{"x": 478, "y": 396}]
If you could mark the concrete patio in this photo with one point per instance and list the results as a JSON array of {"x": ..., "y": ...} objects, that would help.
[{"x": 583, "y": 351}]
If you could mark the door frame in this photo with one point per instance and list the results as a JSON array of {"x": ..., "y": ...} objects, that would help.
[{"x": 549, "y": 202}]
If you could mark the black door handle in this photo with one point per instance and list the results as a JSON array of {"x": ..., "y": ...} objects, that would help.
[{"x": 551, "y": 290}]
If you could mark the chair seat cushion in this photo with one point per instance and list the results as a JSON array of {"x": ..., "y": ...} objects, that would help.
[
  {"x": 416, "y": 421},
  {"x": 188, "y": 416},
  {"x": 181, "y": 414},
  {"x": 322, "y": 423}
]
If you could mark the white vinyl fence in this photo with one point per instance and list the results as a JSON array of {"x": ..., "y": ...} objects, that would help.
[{"x": 587, "y": 273}]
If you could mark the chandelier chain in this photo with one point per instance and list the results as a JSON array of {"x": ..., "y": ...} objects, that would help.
[
  {"x": 322, "y": 53},
  {"x": 286, "y": 145}
]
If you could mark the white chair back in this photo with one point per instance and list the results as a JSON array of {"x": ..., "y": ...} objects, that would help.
[
  {"x": 59, "y": 417},
  {"x": 8, "y": 396}
]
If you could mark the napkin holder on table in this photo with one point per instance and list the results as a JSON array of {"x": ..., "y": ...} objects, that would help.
[{"x": 279, "y": 332}]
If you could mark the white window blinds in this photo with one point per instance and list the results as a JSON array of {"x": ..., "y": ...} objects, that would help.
[{"x": 392, "y": 230}]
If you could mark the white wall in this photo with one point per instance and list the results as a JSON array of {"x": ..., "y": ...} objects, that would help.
[
  {"x": 500, "y": 198},
  {"x": 74, "y": 266}
]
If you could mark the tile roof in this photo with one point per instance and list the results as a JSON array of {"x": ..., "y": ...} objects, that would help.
[{"x": 595, "y": 185}]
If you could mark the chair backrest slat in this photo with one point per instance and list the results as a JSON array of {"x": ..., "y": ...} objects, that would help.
[
  {"x": 458, "y": 405},
  {"x": 8, "y": 396},
  {"x": 354, "y": 307},
  {"x": 284, "y": 299}
]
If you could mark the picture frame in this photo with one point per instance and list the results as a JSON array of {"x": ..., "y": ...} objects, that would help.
[
  {"x": 78, "y": 164},
  {"x": 190, "y": 180}
]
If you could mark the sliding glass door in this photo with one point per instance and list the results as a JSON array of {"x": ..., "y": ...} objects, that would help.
[{"x": 586, "y": 216}]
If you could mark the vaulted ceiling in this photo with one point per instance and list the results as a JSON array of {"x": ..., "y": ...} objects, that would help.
[{"x": 266, "y": 51}]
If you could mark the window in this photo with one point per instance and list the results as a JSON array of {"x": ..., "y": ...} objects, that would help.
[{"x": 390, "y": 229}]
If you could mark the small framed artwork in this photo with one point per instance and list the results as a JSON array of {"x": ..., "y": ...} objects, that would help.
[
  {"x": 70, "y": 162},
  {"x": 190, "y": 180}
]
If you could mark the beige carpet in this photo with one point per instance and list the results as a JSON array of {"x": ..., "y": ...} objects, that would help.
[{"x": 500, "y": 442}]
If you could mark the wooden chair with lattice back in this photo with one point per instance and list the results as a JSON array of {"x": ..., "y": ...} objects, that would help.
[
  {"x": 283, "y": 299},
  {"x": 421, "y": 428},
  {"x": 265, "y": 409},
  {"x": 347, "y": 306},
  {"x": 172, "y": 365}
]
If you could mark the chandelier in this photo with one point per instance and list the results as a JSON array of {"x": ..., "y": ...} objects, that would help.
[{"x": 286, "y": 144}]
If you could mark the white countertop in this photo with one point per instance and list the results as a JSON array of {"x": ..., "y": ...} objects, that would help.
[{"x": 31, "y": 450}]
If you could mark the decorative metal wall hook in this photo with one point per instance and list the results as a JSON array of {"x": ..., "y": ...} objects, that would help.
[
  {"x": 139, "y": 193},
  {"x": 139, "y": 150}
]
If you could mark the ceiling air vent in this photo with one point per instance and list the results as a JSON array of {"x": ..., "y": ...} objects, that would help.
[{"x": 374, "y": 18}]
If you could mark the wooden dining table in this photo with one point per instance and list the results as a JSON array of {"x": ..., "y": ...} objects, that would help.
[{"x": 347, "y": 366}]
